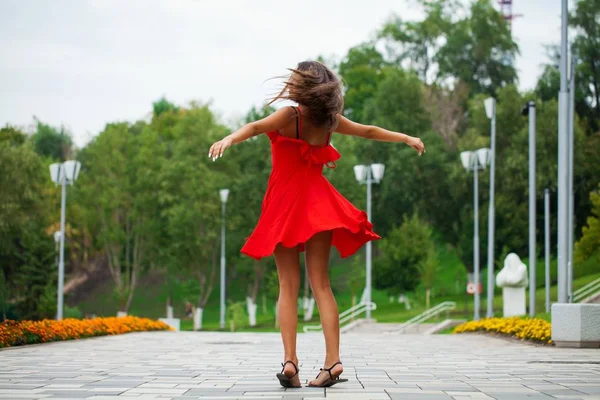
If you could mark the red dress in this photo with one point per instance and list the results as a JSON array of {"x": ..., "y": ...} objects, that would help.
[{"x": 300, "y": 201}]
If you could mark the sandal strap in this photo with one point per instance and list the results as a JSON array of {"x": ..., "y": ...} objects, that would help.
[
  {"x": 329, "y": 370},
  {"x": 295, "y": 367}
]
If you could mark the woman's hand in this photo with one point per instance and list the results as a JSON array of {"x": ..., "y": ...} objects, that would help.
[
  {"x": 217, "y": 149},
  {"x": 416, "y": 144}
]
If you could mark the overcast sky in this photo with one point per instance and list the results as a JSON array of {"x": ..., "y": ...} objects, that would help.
[{"x": 83, "y": 63}]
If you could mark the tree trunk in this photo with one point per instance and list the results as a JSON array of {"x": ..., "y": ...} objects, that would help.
[{"x": 427, "y": 295}]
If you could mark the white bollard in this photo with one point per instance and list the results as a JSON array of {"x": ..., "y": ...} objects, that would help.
[{"x": 198, "y": 318}]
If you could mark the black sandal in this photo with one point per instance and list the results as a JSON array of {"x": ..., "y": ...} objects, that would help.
[
  {"x": 332, "y": 379},
  {"x": 286, "y": 381}
]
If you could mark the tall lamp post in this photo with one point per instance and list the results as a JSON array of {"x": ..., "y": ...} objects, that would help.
[
  {"x": 63, "y": 174},
  {"x": 474, "y": 161},
  {"x": 490, "y": 111},
  {"x": 223, "y": 194},
  {"x": 563, "y": 161},
  {"x": 529, "y": 109},
  {"x": 571, "y": 207},
  {"x": 369, "y": 174}
]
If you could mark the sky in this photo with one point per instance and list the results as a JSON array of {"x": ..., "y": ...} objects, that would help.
[{"x": 83, "y": 63}]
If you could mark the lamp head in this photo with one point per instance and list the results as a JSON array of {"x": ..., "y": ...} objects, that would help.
[
  {"x": 224, "y": 194},
  {"x": 467, "y": 158},
  {"x": 360, "y": 173},
  {"x": 377, "y": 170},
  {"x": 490, "y": 107}
]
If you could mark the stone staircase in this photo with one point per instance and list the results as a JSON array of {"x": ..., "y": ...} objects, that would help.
[
  {"x": 593, "y": 299},
  {"x": 418, "y": 329}
]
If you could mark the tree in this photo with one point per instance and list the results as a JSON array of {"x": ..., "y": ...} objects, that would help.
[
  {"x": 474, "y": 47},
  {"x": 480, "y": 50},
  {"x": 36, "y": 277},
  {"x": 361, "y": 71},
  {"x": 428, "y": 269},
  {"x": 403, "y": 250},
  {"x": 52, "y": 142},
  {"x": 12, "y": 135},
  {"x": 121, "y": 203},
  {"x": 586, "y": 46},
  {"x": 188, "y": 196},
  {"x": 589, "y": 244},
  {"x": 162, "y": 106},
  {"x": 26, "y": 198},
  {"x": 416, "y": 43}
]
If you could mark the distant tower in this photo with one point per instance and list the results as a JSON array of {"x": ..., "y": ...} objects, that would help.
[{"x": 506, "y": 9}]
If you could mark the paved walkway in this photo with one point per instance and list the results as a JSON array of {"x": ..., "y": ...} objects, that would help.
[{"x": 189, "y": 365}]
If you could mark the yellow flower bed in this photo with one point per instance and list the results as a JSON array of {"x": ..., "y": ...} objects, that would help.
[
  {"x": 15, "y": 333},
  {"x": 534, "y": 329}
]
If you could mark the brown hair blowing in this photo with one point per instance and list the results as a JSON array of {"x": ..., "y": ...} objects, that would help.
[{"x": 314, "y": 86}]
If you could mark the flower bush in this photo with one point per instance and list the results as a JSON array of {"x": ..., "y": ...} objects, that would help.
[
  {"x": 534, "y": 329},
  {"x": 15, "y": 333}
]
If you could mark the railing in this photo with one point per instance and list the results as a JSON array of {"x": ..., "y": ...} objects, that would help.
[
  {"x": 432, "y": 312},
  {"x": 588, "y": 290},
  {"x": 346, "y": 316}
]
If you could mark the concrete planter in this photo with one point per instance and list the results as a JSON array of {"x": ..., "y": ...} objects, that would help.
[
  {"x": 576, "y": 325},
  {"x": 174, "y": 323}
]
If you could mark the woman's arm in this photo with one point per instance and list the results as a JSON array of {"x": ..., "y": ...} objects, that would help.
[
  {"x": 348, "y": 127},
  {"x": 274, "y": 121}
]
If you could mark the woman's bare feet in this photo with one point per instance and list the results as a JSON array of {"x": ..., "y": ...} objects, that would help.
[{"x": 324, "y": 375}]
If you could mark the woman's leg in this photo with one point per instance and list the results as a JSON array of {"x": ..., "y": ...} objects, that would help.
[
  {"x": 317, "y": 262},
  {"x": 288, "y": 270}
]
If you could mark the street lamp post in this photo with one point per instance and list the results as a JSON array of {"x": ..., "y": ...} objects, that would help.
[
  {"x": 529, "y": 109},
  {"x": 63, "y": 174},
  {"x": 223, "y": 194},
  {"x": 563, "y": 158},
  {"x": 56, "y": 244},
  {"x": 490, "y": 111},
  {"x": 474, "y": 161},
  {"x": 369, "y": 174},
  {"x": 547, "y": 245},
  {"x": 571, "y": 207}
]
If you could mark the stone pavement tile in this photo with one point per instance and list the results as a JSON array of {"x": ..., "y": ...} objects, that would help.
[
  {"x": 506, "y": 389},
  {"x": 70, "y": 394},
  {"x": 520, "y": 396},
  {"x": 562, "y": 392},
  {"x": 362, "y": 395},
  {"x": 449, "y": 386},
  {"x": 400, "y": 396},
  {"x": 19, "y": 386},
  {"x": 586, "y": 389},
  {"x": 472, "y": 395},
  {"x": 174, "y": 392},
  {"x": 413, "y": 391}
]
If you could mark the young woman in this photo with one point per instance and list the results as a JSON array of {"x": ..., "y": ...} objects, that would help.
[{"x": 301, "y": 210}]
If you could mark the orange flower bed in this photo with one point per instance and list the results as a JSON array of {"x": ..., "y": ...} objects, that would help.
[{"x": 15, "y": 333}]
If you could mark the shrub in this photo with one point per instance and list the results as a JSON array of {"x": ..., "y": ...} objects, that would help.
[
  {"x": 534, "y": 329},
  {"x": 15, "y": 333}
]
